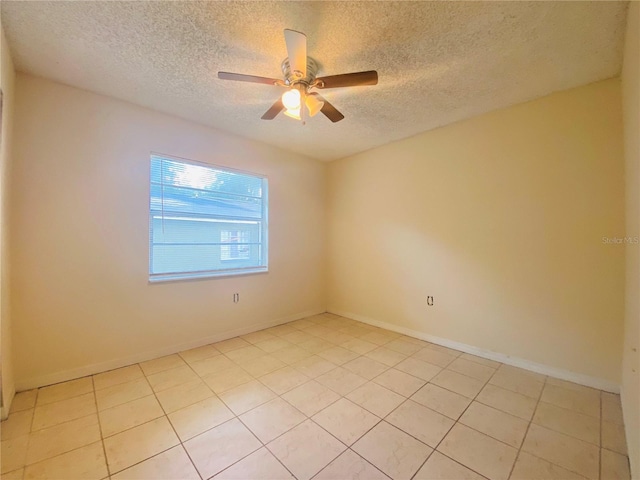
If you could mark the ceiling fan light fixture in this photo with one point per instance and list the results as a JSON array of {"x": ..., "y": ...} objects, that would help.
[
  {"x": 293, "y": 113},
  {"x": 291, "y": 99},
  {"x": 313, "y": 105}
]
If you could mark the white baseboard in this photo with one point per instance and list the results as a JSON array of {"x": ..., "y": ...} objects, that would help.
[
  {"x": 50, "y": 379},
  {"x": 579, "y": 378}
]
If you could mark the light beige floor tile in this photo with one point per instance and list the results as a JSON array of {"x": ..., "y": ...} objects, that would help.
[
  {"x": 399, "y": 382},
  {"x": 212, "y": 365},
  {"x": 441, "y": 467},
  {"x": 199, "y": 417},
  {"x": 472, "y": 369},
  {"x": 297, "y": 337},
  {"x": 63, "y": 438},
  {"x": 350, "y": 466},
  {"x": 117, "y": 376},
  {"x": 338, "y": 355},
  {"x": 161, "y": 364},
  {"x": 529, "y": 467},
  {"x": 611, "y": 408},
  {"x": 227, "y": 379},
  {"x": 220, "y": 447},
  {"x": 311, "y": 397},
  {"x": 613, "y": 437},
  {"x": 64, "y": 391},
  {"x": 499, "y": 425},
  {"x": 520, "y": 383},
  {"x": 568, "y": 422},
  {"x": 122, "y": 393},
  {"x": 319, "y": 330},
  {"x": 614, "y": 466},
  {"x": 199, "y": 353},
  {"x": 232, "y": 344},
  {"x": 572, "y": 386},
  {"x": 359, "y": 346},
  {"x": 345, "y": 420},
  {"x": 366, "y": 367},
  {"x": 257, "y": 337},
  {"x": 128, "y": 415},
  {"x": 272, "y": 419},
  {"x": 377, "y": 337},
  {"x": 415, "y": 341},
  {"x": 458, "y": 383},
  {"x": 401, "y": 346},
  {"x": 383, "y": 355},
  {"x": 171, "y": 378},
  {"x": 139, "y": 443},
  {"x": 262, "y": 365},
  {"x": 337, "y": 337},
  {"x": 302, "y": 324},
  {"x": 13, "y": 453},
  {"x": 441, "y": 400},
  {"x": 418, "y": 368},
  {"x": 568, "y": 452},
  {"x": 341, "y": 381},
  {"x": 434, "y": 357},
  {"x": 421, "y": 422},
  {"x": 291, "y": 354},
  {"x": 14, "y": 475},
  {"x": 174, "y": 464},
  {"x": 480, "y": 360},
  {"x": 24, "y": 400},
  {"x": 244, "y": 353},
  {"x": 507, "y": 401},
  {"x": 316, "y": 345},
  {"x": 306, "y": 449},
  {"x": 479, "y": 452},
  {"x": 375, "y": 398},
  {"x": 392, "y": 451},
  {"x": 281, "y": 330},
  {"x": 283, "y": 380},
  {"x": 586, "y": 402},
  {"x": 511, "y": 370},
  {"x": 260, "y": 465},
  {"x": 52, "y": 414},
  {"x": 183, "y": 395},
  {"x": 314, "y": 366},
  {"x": 18, "y": 424},
  {"x": 273, "y": 344},
  {"x": 85, "y": 463},
  {"x": 245, "y": 397},
  {"x": 440, "y": 348}
]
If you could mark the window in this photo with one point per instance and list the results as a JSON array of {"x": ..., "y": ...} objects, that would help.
[{"x": 205, "y": 221}]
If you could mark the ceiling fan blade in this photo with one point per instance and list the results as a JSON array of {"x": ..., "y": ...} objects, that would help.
[
  {"x": 329, "y": 110},
  {"x": 348, "y": 80},
  {"x": 297, "y": 51},
  {"x": 239, "y": 77},
  {"x": 275, "y": 109}
]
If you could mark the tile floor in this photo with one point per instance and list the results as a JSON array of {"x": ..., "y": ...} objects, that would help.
[{"x": 325, "y": 397}]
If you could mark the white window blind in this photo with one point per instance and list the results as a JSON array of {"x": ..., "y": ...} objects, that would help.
[{"x": 205, "y": 221}]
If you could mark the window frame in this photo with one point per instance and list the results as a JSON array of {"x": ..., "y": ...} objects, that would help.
[{"x": 222, "y": 272}]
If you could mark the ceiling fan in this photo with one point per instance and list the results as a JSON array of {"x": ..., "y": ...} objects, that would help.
[{"x": 300, "y": 78}]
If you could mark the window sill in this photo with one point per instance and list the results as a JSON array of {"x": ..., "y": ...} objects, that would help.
[{"x": 179, "y": 277}]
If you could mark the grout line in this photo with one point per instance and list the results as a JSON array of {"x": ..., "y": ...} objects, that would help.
[{"x": 104, "y": 449}]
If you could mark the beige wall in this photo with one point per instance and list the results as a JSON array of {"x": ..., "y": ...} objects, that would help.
[
  {"x": 501, "y": 219},
  {"x": 7, "y": 80},
  {"x": 631, "y": 111},
  {"x": 80, "y": 236}
]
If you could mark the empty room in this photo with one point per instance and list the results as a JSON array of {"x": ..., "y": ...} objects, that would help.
[{"x": 321, "y": 240}]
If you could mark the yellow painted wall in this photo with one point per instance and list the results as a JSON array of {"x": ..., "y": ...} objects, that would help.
[
  {"x": 80, "y": 236},
  {"x": 501, "y": 218},
  {"x": 7, "y": 82},
  {"x": 631, "y": 111}
]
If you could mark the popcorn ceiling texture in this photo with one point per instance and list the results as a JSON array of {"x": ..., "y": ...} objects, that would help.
[{"x": 438, "y": 62}]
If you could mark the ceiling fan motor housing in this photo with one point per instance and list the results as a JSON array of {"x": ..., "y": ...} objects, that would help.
[{"x": 295, "y": 77}]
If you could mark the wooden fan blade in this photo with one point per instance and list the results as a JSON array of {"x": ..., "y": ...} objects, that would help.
[
  {"x": 348, "y": 80},
  {"x": 297, "y": 51},
  {"x": 328, "y": 110},
  {"x": 275, "y": 109},
  {"x": 239, "y": 77}
]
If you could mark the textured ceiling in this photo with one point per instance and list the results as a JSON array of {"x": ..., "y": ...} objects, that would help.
[{"x": 438, "y": 62}]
